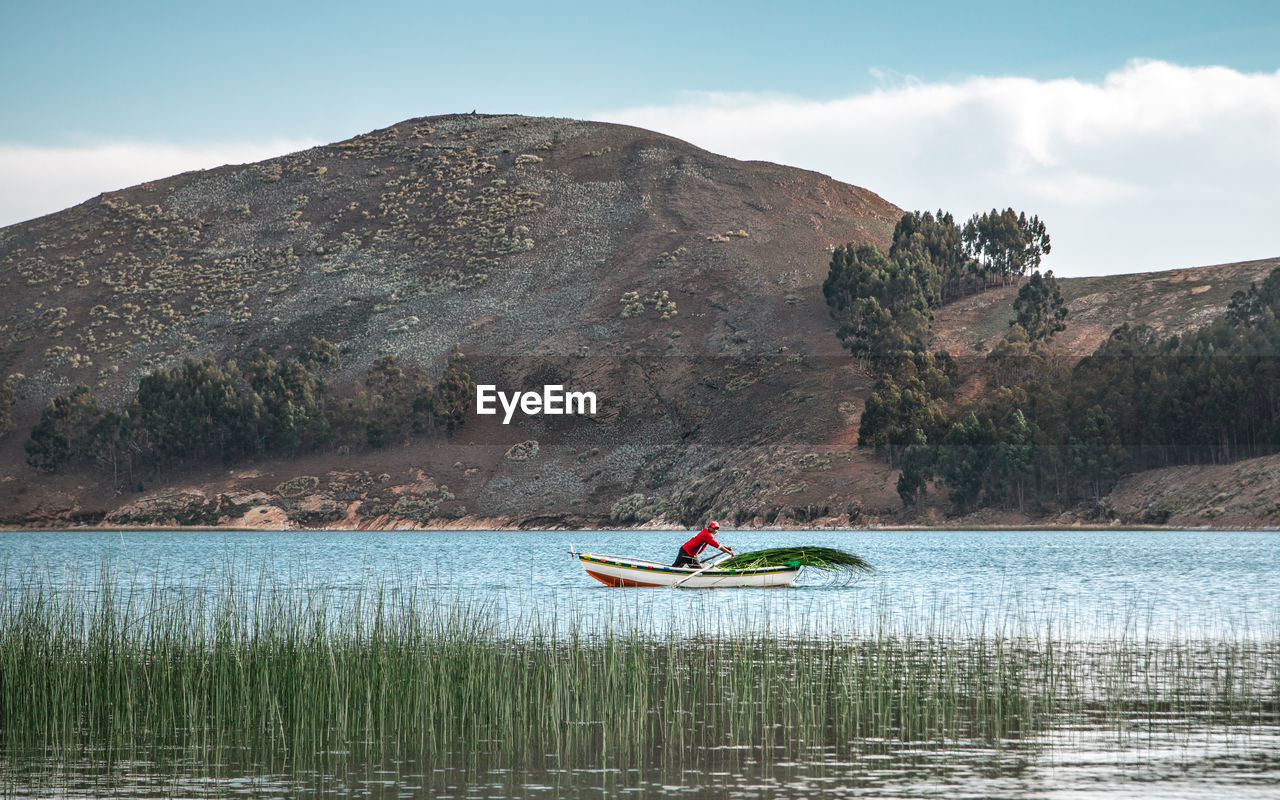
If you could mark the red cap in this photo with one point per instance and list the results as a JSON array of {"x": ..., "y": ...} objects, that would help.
[{"x": 713, "y": 525}]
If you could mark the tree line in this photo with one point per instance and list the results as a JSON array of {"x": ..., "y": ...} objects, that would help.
[
  {"x": 1029, "y": 440},
  {"x": 1047, "y": 436},
  {"x": 884, "y": 301},
  {"x": 1140, "y": 401},
  {"x": 211, "y": 410}
]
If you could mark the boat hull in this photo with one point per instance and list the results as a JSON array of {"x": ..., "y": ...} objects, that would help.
[{"x": 624, "y": 571}]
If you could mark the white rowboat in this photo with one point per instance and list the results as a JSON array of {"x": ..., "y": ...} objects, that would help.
[{"x": 626, "y": 571}]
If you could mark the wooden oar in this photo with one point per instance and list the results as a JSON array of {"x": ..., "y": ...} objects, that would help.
[{"x": 691, "y": 576}]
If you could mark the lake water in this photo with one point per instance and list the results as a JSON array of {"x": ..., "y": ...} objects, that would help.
[
  {"x": 1076, "y": 584},
  {"x": 1073, "y": 586}
]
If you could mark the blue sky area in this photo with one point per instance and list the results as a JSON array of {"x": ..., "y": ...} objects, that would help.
[
  {"x": 221, "y": 79},
  {"x": 236, "y": 70}
]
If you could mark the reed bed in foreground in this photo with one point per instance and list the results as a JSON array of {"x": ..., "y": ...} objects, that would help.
[{"x": 260, "y": 667}]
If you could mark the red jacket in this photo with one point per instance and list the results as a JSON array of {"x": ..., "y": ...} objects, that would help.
[{"x": 699, "y": 541}]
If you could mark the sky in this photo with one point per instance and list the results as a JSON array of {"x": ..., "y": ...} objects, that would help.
[{"x": 1145, "y": 134}]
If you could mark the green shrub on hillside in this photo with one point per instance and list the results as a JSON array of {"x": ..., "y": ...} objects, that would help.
[
  {"x": 7, "y": 398},
  {"x": 211, "y": 410}
]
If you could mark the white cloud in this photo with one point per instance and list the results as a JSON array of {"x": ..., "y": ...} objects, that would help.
[
  {"x": 41, "y": 180},
  {"x": 1156, "y": 166}
]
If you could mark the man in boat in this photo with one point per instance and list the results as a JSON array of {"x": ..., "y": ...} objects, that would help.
[{"x": 688, "y": 555}]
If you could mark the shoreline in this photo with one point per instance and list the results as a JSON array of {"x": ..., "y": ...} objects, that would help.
[{"x": 493, "y": 526}]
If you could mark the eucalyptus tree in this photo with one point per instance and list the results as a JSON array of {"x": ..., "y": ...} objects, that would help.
[{"x": 1006, "y": 244}]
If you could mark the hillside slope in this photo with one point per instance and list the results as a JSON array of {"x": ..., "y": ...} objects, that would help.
[
  {"x": 684, "y": 288},
  {"x": 516, "y": 239},
  {"x": 1173, "y": 301}
]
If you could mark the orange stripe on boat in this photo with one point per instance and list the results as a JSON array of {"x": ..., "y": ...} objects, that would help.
[{"x": 614, "y": 580}]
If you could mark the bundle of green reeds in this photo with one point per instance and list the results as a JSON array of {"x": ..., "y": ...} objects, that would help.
[{"x": 818, "y": 557}]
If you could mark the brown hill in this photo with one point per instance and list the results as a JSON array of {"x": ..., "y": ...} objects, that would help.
[
  {"x": 684, "y": 288},
  {"x": 533, "y": 244}
]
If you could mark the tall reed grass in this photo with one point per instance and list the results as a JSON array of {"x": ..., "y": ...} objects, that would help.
[{"x": 255, "y": 666}]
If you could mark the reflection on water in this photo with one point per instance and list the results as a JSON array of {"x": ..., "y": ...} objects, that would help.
[
  {"x": 1167, "y": 642},
  {"x": 1070, "y": 761}
]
